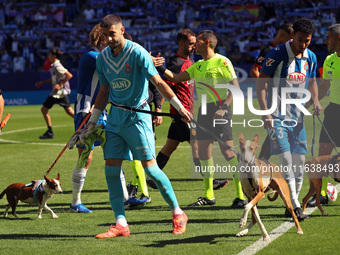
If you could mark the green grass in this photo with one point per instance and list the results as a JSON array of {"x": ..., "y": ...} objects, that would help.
[{"x": 211, "y": 230}]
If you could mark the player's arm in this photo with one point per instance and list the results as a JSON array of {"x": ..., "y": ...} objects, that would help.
[
  {"x": 173, "y": 77},
  {"x": 168, "y": 94},
  {"x": 313, "y": 88},
  {"x": 99, "y": 106},
  {"x": 254, "y": 72},
  {"x": 261, "y": 92},
  {"x": 40, "y": 83},
  {"x": 62, "y": 82},
  {"x": 220, "y": 112}
]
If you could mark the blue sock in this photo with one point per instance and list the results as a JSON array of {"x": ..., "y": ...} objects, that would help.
[
  {"x": 163, "y": 184},
  {"x": 114, "y": 185}
]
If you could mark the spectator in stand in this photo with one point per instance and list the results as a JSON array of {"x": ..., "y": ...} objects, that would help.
[
  {"x": 89, "y": 13},
  {"x": 18, "y": 63}
]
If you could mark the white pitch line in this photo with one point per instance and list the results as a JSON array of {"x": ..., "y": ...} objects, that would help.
[{"x": 277, "y": 232}]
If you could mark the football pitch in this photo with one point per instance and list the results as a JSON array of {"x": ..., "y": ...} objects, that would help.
[{"x": 210, "y": 230}]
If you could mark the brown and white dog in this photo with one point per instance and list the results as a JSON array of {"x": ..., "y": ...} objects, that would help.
[
  {"x": 38, "y": 192},
  {"x": 315, "y": 169},
  {"x": 258, "y": 177}
]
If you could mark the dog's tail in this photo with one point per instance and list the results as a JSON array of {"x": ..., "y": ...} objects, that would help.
[
  {"x": 273, "y": 198},
  {"x": 3, "y": 193}
]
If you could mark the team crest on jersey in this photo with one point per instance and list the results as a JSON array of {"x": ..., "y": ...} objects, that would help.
[
  {"x": 306, "y": 66},
  {"x": 296, "y": 78},
  {"x": 225, "y": 63},
  {"x": 120, "y": 84},
  {"x": 127, "y": 68},
  {"x": 269, "y": 62},
  {"x": 260, "y": 59}
]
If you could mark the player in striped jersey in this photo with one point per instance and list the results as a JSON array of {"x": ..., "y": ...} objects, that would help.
[
  {"x": 290, "y": 65},
  {"x": 284, "y": 34}
]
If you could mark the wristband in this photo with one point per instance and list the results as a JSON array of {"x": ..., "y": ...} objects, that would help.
[
  {"x": 224, "y": 107},
  {"x": 161, "y": 69},
  {"x": 176, "y": 103},
  {"x": 95, "y": 115}
]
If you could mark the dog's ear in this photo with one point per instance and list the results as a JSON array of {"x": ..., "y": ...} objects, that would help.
[
  {"x": 241, "y": 138},
  {"x": 46, "y": 178},
  {"x": 58, "y": 177},
  {"x": 256, "y": 138}
]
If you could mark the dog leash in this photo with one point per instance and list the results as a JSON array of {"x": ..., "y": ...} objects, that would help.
[
  {"x": 134, "y": 109},
  {"x": 63, "y": 150},
  {"x": 324, "y": 128}
]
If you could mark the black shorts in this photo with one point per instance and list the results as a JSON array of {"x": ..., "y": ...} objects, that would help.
[
  {"x": 50, "y": 101},
  {"x": 332, "y": 124},
  {"x": 223, "y": 131},
  {"x": 179, "y": 131}
]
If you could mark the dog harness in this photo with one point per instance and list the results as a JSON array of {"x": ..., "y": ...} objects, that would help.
[
  {"x": 253, "y": 164},
  {"x": 37, "y": 187}
]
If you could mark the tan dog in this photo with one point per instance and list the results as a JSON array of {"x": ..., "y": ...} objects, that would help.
[
  {"x": 257, "y": 177},
  {"x": 315, "y": 169},
  {"x": 38, "y": 192}
]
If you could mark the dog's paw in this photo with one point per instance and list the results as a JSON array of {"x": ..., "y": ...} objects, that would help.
[
  {"x": 39, "y": 217},
  {"x": 243, "y": 222},
  {"x": 300, "y": 232},
  {"x": 55, "y": 216},
  {"x": 242, "y": 233},
  {"x": 266, "y": 238},
  {"x": 324, "y": 214}
]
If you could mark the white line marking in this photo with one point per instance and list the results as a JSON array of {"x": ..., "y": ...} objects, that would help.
[
  {"x": 28, "y": 129},
  {"x": 277, "y": 232}
]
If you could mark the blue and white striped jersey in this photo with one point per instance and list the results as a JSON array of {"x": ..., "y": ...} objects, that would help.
[
  {"x": 286, "y": 70},
  {"x": 88, "y": 82},
  {"x": 127, "y": 75}
]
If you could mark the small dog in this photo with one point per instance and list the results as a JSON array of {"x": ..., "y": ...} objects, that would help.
[
  {"x": 315, "y": 169},
  {"x": 39, "y": 191},
  {"x": 261, "y": 177}
]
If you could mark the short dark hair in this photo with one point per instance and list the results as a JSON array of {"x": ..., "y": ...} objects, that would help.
[
  {"x": 334, "y": 28},
  {"x": 184, "y": 35},
  {"x": 209, "y": 35},
  {"x": 304, "y": 25},
  {"x": 287, "y": 27},
  {"x": 110, "y": 20},
  {"x": 55, "y": 51}
]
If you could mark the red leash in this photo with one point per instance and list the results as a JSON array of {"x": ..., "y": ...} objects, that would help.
[{"x": 61, "y": 153}]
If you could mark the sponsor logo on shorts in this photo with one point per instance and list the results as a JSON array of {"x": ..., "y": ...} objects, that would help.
[
  {"x": 296, "y": 78},
  {"x": 120, "y": 84}
]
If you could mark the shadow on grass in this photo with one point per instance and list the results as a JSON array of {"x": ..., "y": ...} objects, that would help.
[
  {"x": 40, "y": 236},
  {"x": 208, "y": 239}
]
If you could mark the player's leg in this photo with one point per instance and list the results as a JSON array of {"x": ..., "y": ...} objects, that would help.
[
  {"x": 48, "y": 103},
  {"x": 239, "y": 201},
  {"x": 69, "y": 111},
  {"x": 139, "y": 137},
  {"x": 115, "y": 151},
  {"x": 331, "y": 123},
  {"x": 206, "y": 160},
  {"x": 78, "y": 180},
  {"x": 138, "y": 180},
  {"x": 66, "y": 104}
]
